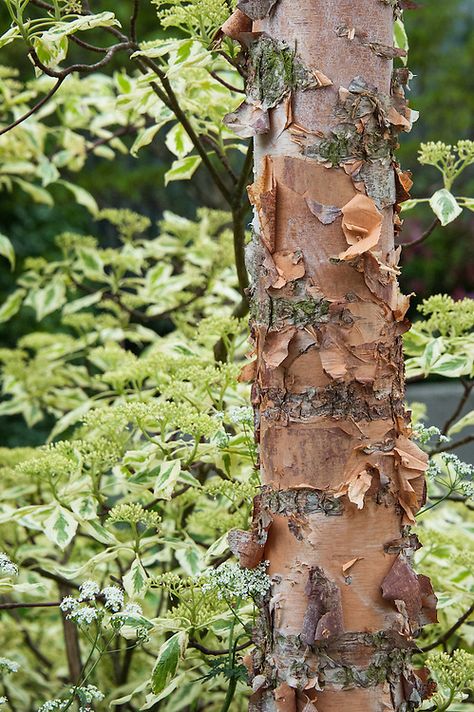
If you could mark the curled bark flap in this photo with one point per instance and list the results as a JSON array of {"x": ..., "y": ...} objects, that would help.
[
  {"x": 249, "y": 546},
  {"x": 411, "y": 594},
  {"x": 285, "y": 698},
  {"x": 275, "y": 349},
  {"x": 361, "y": 225},
  {"x": 236, "y": 24},
  {"x": 262, "y": 195},
  {"x": 289, "y": 266}
]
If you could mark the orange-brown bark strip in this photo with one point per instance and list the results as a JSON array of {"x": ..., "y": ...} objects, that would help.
[{"x": 342, "y": 479}]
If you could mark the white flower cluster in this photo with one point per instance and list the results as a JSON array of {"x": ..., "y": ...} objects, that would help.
[
  {"x": 242, "y": 415},
  {"x": 7, "y": 665},
  {"x": 463, "y": 473},
  {"x": 113, "y": 596},
  {"x": 424, "y": 434},
  {"x": 89, "y": 592},
  {"x": 453, "y": 473},
  {"x": 7, "y": 567},
  {"x": 234, "y": 581},
  {"x": 85, "y": 695}
]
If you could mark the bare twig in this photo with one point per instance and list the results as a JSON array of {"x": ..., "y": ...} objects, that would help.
[
  {"x": 209, "y": 651},
  {"x": 71, "y": 642},
  {"x": 35, "y": 108},
  {"x": 122, "y": 131},
  {"x": 133, "y": 20},
  {"x": 446, "y": 636},
  {"x": 468, "y": 386},
  {"x": 453, "y": 446},
  {"x": 422, "y": 237},
  {"x": 11, "y": 606},
  {"x": 225, "y": 84},
  {"x": 81, "y": 68},
  {"x": 168, "y": 97},
  {"x": 87, "y": 45}
]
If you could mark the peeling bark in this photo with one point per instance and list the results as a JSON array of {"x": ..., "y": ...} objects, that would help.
[{"x": 342, "y": 479}]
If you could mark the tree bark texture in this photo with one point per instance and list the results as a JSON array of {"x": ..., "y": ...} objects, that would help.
[{"x": 342, "y": 480}]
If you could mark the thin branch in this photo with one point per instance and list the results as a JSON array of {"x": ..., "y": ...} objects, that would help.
[
  {"x": 136, "y": 313},
  {"x": 12, "y": 606},
  {"x": 245, "y": 174},
  {"x": 424, "y": 236},
  {"x": 71, "y": 641},
  {"x": 225, "y": 84},
  {"x": 122, "y": 131},
  {"x": 82, "y": 68},
  {"x": 178, "y": 493},
  {"x": 453, "y": 446},
  {"x": 168, "y": 97},
  {"x": 223, "y": 158},
  {"x": 468, "y": 386},
  {"x": 208, "y": 651},
  {"x": 133, "y": 20},
  {"x": 446, "y": 636},
  {"x": 238, "y": 215},
  {"x": 35, "y": 108},
  {"x": 87, "y": 45},
  {"x": 43, "y": 5}
]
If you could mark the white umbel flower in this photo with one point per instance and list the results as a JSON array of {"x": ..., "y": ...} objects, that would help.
[
  {"x": 113, "y": 597},
  {"x": 7, "y": 567},
  {"x": 88, "y": 591},
  {"x": 234, "y": 581}
]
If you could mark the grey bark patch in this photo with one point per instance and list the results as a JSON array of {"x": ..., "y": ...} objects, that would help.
[
  {"x": 256, "y": 9},
  {"x": 354, "y": 400},
  {"x": 326, "y": 214},
  {"x": 295, "y": 503},
  {"x": 248, "y": 121}
]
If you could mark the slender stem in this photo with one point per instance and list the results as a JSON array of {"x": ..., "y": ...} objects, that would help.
[
  {"x": 424, "y": 236},
  {"x": 468, "y": 386},
  {"x": 122, "y": 131},
  {"x": 133, "y": 20},
  {"x": 446, "y": 636},
  {"x": 35, "y": 108},
  {"x": 230, "y": 694},
  {"x": 168, "y": 97},
  {"x": 82, "y": 68},
  {"x": 225, "y": 84},
  {"x": 453, "y": 446},
  {"x": 12, "y": 606},
  {"x": 212, "y": 652},
  {"x": 238, "y": 217},
  {"x": 87, "y": 45}
]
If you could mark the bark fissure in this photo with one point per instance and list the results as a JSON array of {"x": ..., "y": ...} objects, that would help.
[{"x": 341, "y": 478}]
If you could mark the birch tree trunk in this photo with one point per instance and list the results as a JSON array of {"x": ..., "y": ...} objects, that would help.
[{"x": 342, "y": 479}]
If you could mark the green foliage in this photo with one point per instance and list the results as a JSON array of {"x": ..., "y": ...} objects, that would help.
[
  {"x": 453, "y": 674},
  {"x": 159, "y": 461},
  {"x": 198, "y": 19},
  {"x": 450, "y": 161},
  {"x": 442, "y": 344}
]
